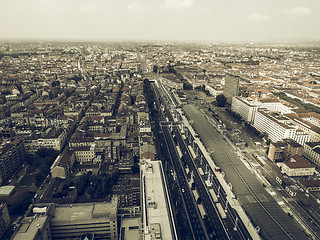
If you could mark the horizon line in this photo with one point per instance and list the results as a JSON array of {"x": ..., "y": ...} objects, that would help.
[{"x": 92, "y": 40}]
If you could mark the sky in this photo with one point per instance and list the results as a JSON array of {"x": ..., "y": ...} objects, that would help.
[{"x": 175, "y": 20}]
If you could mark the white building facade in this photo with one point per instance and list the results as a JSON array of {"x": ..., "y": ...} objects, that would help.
[
  {"x": 244, "y": 107},
  {"x": 273, "y": 126}
]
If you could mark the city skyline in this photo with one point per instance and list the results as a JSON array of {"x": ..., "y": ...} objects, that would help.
[{"x": 172, "y": 20}]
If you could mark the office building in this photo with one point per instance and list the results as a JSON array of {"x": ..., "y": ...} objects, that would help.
[
  {"x": 231, "y": 86},
  {"x": 74, "y": 221},
  {"x": 50, "y": 138},
  {"x": 276, "y": 126},
  {"x": 245, "y": 107},
  {"x": 66, "y": 222},
  {"x": 308, "y": 123}
]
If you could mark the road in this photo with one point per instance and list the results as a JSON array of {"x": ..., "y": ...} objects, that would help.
[
  {"x": 193, "y": 215},
  {"x": 264, "y": 211},
  {"x": 305, "y": 214},
  {"x": 214, "y": 219},
  {"x": 242, "y": 232}
]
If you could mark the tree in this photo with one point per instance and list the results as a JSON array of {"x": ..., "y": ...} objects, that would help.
[
  {"x": 135, "y": 168},
  {"x": 221, "y": 100},
  {"x": 133, "y": 99},
  {"x": 187, "y": 86},
  {"x": 38, "y": 178},
  {"x": 155, "y": 68},
  {"x": 268, "y": 142},
  {"x": 21, "y": 204},
  {"x": 47, "y": 152}
]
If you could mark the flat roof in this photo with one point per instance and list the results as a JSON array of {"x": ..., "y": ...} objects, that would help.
[
  {"x": 131, "y": 228},
  {"x": 84, "y": 213},
  {"x": 275, "y": 119},
  {"x": 29, "y": 227},
  {"x": 155, "y": 192},
  {"x": 6, "y": 190}
]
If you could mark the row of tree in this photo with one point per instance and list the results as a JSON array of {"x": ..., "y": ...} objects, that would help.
[{"x": 298, "y": 102}]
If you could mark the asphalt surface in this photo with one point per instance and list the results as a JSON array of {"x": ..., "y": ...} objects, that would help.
[
  {"x": 260, "y": 206},
  {"x": 219, "y": 232},
  {"x": 193, "y": 214},
  {"x": 242, "y": 232}
]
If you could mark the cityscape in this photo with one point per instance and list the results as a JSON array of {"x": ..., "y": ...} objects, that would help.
[
  {"x": 169, "y": 120},
  {"x": 159, "y": 141}
]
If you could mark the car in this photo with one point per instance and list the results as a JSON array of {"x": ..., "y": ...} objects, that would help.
[{"x": 182, "y": 190}]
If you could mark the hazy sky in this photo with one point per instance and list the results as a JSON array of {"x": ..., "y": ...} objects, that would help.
[{"x": 186, "y": 20}]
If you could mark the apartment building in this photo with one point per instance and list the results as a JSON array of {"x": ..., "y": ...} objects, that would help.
[
  {"x": 172, "y": 82},
  {"x": 298, "y": 167},
  {"x": 4, "y": 218},
  {"x": 284, "y": 150},
  {"x": 11, "y": 158},
  {"x": 85, "y": 154},
  {"x": 48, "y": 138},
  {"x": 312, "y": 152},
  {"x": 128, "y": 191},
  {"x": 62, "y": 166},
  {"x": 276, "y": 151}
]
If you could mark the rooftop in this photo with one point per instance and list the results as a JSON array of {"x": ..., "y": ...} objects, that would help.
[
  {"x": 298, "y": 162},
  {"x": 82, "y": 213},
  {"x": 310, "y": 182},
  {"x": 6, "y": 190},
  {"x": 131, "y": 228},
  {"x": 157, "y": 212}
]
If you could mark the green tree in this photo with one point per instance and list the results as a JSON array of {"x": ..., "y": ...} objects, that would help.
[
  {"x": 47, "y": 153},
  {"x": 155, "y": 68},
  {"x": 187, "y": 86},
  {"x": 91, "y": 191},
  {"x": 39, "y": 178},
  {"x": 21, "y": 204},
  {"x": 135, "y": 168},
  {"x": 133, "y": 99},
  {"x": 221, "y": 100}
]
